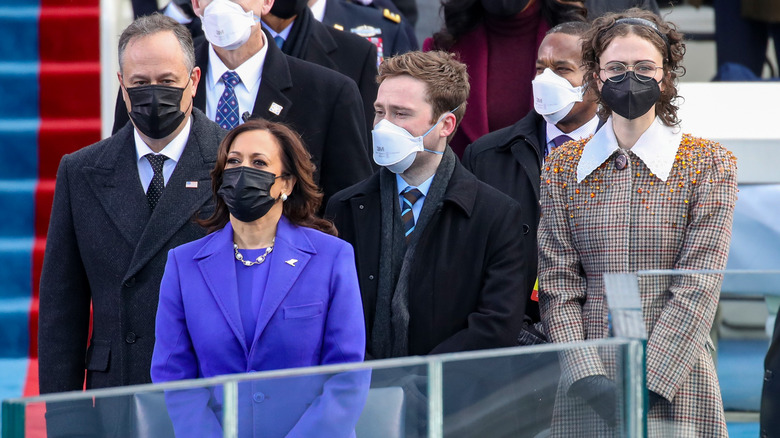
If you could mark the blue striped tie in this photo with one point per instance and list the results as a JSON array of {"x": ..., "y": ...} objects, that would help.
[
  {"x": 227, "y": 107},
  {"x": 410, "y": 196}
]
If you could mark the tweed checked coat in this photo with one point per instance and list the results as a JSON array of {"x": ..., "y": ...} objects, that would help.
[{"x": 670, "y": 207}]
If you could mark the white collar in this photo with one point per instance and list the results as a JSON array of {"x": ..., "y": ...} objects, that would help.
[
  {"x": 172, "y": 150},
  {"x": 656, "y": 147},
  {"x": 583, "y": 131},
  {"x": 249, "y": 72},
  {"x": 318, "y": 9}
]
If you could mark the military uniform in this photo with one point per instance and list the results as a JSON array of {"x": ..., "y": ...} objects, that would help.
[{"x": 383, "y": 27}]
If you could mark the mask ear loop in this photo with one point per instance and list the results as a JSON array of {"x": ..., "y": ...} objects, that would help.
[{"x": 434, "y": 125}]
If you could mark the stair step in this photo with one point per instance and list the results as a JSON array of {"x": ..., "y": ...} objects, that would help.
[
  {"x": 16, "y": 272},
  {"x": 16, "y": 199},
  {"x": 19, "y": 85},
  {"x": 20, "y": 33},
  {"x": 70, "y": 88},
  {"x": 15, "y": 335},
  {"x": 18, "y": 154},
  {"x": 61, "y": 136},
  {"x": 44, "y": 197},
  {"x": 82, "y": 26}
]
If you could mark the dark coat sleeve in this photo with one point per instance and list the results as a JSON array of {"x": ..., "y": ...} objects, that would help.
[
  {"x": 64, "y": 299},
  {"x": 344, "y": 158}
]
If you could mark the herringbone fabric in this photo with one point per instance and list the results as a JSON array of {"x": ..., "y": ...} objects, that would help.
[
  {"x": 625, "y": 221},
  {"x": 410, "y": 196}
]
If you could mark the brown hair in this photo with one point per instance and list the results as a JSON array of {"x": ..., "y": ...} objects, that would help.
[
  {"x": 666, "y": 39},
  {"x": 301, "y": 205},
  {"x": 446, "y": 80}
]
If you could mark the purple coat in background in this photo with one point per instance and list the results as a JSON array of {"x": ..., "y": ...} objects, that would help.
[{"x": 311, "y": 314}]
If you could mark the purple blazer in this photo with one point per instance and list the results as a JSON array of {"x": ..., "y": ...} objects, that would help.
[{"x": 311, "y": 314}]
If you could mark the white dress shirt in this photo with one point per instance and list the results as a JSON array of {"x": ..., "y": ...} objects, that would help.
[
  {"x": 250, "y": 73},
  {"x": 318, "y": 9},
  {"x": 172, "y": 150},
  {"x": 583, "y": 131}
]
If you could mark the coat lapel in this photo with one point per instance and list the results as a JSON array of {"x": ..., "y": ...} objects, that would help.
[
  {"x": 292, "y": 252},
  {"x": 272, "y": 102},
  {"x": 115, "y": 182},
  {"x": 218, "y": 269},
  {"x": 178, "y": 203}
]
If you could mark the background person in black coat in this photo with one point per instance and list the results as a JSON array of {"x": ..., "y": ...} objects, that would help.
[
  {"x": 511, "y": 158},
  {"x": 445, "y": 274},
  {"x": 770, "y": 395},
  {"x": 108, "y": 239},
  {"x": 322, "y": 105},
  {"x": 308, "y": 39},
  {"x": 388, "y": 31}
]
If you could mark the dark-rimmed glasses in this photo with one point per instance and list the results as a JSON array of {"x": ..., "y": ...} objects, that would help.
[{"x": 616, "y": 71}]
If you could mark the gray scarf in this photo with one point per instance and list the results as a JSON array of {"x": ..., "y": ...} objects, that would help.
[{"x": 390, "y": 332}]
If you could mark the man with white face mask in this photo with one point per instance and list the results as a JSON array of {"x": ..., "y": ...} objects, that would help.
[
  {"x": 245, "y": 74},
  {"x": 510, "y": 159},
  {"x": 439, "y": 271}
]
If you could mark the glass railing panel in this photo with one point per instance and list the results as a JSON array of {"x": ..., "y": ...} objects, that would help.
[
  {"x": 526, "y": 393},
  {"x": 708, "y": 335}
]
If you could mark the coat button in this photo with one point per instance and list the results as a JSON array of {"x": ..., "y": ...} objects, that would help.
[
  {"x": 371, "y": 277},
  {"x": 130, "y": 338},
  {"x": 621, "y": 161},
  {"x": 258, "y": 397},
  {"x": 768, "y": 375},
  {"x": 361, "y": 206},
  {"x": 130, "y": 282}
]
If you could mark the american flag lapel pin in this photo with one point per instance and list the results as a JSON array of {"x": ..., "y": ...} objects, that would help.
[
  {"x": 191, "y": 184},
  {"x": 275, "y": 108}
]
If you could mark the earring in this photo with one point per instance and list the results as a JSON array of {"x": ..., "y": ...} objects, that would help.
[{"x": 284, "y": 197}]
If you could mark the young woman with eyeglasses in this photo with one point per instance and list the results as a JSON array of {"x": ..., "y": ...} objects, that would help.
[{"x": 638, "y": 195}]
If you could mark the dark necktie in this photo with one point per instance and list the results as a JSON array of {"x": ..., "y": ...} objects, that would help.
[
  {"x": 410, "y": 196},
  {"x": 227, "y": 107},
  {"x": 157, "y": 185},
  {"x": 557, "y": 141}
]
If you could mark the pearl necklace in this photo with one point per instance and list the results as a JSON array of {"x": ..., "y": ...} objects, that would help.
[{"x": 259, "y": 260}]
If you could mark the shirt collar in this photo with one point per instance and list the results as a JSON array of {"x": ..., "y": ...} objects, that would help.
[
  {"x": 249, "y": 72},
  {"x": 656, "y": 147},
  {"x": 172, "y": 150},
  {"x": 583, "y": 131},
  {"x": 284, "y": 33},
  {"x": 401, "y": 184},
  {"x": 318, "y": 9}
]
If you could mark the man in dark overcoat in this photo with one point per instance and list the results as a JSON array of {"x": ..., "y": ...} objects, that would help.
[
  {"x": 511, "y": 158},
  {"x": 321, "y": 105},
  {"x": 303, "y": 37},
  {"x": 439, "y": 253},
  {"x": 119, "y": 206}
]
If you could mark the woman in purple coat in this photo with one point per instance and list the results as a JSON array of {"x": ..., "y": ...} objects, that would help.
[{"x": 271, "y": 287}]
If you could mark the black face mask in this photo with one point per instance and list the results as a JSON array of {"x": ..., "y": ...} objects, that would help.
[
  {"x": 504, "y": 8},
  {"x": 156, "y": 109},
  {"x": 247, "y": 192},
  {"x": 630, "y": 98},
  {"x": 285, "y": 9}
]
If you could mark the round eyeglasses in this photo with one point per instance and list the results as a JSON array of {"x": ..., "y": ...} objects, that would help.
[{"x": 643, "y": 71}]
